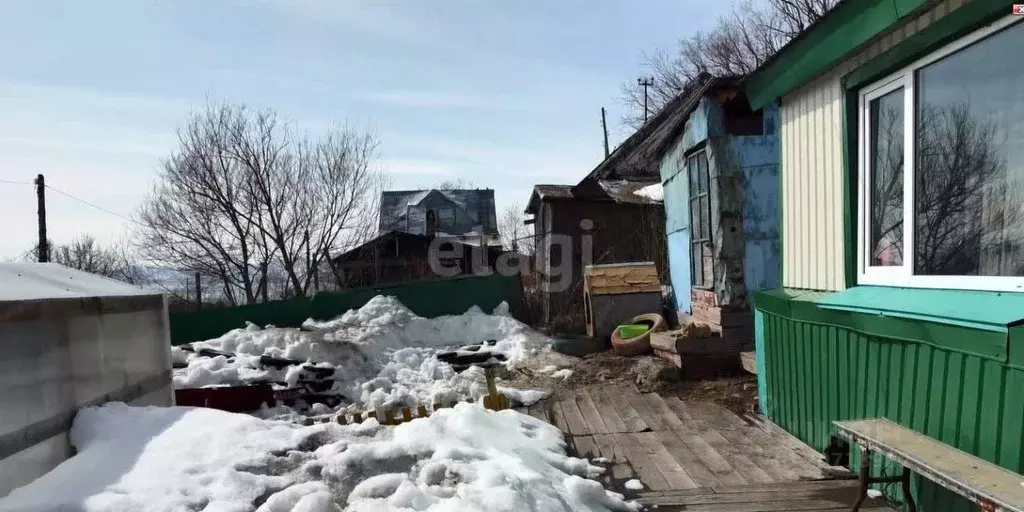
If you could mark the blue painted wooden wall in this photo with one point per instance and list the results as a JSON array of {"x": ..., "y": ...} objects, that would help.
[
  {"x": 759, "y": 164},
  {"x": 675, "y": 182},
  {"x": 758, "y": 160}
]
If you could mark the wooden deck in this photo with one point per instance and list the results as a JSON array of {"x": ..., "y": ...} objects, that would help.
[
  {"x": 823, "y": 495},
  {"x": 695, "y": 455}
]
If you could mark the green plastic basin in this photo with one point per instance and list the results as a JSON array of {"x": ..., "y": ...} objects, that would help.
[{"x": 632, "y": 330}]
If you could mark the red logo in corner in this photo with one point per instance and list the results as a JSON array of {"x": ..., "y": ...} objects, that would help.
[{"x": 1018, "y": 9}]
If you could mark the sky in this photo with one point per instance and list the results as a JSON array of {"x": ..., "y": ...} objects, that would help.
[{"x": 503, "y": 94}]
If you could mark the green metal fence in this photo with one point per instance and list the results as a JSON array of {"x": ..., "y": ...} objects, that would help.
[
  {"x": 823, "y": 366},
  {"x": 427, "y": 298}
]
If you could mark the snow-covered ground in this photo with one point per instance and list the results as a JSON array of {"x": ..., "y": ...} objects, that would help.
[
  {"x": 181, "y": 458},
  {"x": 383, "y": 355}
]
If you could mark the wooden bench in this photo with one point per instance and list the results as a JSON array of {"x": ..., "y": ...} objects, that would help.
[{"x": 991, "y": 487}]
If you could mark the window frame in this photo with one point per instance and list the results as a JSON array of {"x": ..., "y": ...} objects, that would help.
[
  {"x": 903, "y": 275},
  {"x": 696, "y": 240}
]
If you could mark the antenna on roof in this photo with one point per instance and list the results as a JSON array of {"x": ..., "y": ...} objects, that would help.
[{"x": 645, "y": 83}]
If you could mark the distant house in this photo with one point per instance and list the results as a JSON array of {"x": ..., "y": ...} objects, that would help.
[
  {"x": 462, "y": 214},
  {"x": 461, "y": 223}
]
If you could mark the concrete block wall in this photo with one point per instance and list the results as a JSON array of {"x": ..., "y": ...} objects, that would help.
[{"x": 63, "y": 354}]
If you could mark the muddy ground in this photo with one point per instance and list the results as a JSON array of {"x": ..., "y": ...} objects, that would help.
[{"x": 735, "y": 390}]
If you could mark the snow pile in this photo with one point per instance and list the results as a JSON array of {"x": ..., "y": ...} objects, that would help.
[
  {"x": 653, "y": 192},
  {"x": 153, "y": 458},
  {"x": 180, "y": 458},
  {"x": 383, "y": 354}
]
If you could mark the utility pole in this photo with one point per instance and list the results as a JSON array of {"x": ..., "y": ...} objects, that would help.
[
  {"x": 645, "y": 83},
  {"x": 199, "y": 293},
  {"x": 43, "y": 250},
  {"x": 604, "y": 128}
]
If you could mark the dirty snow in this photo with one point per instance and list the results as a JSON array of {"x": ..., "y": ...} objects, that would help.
[
  {"x": 653, "y": 192},
  {"x": 182, "y": 458},
  {"x": 563, "y": 374},
  {"x": 634, "y": 485},
  {"x": 384, "y": 355}
]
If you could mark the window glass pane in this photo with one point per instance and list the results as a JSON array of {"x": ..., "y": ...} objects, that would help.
[
  {"x": 691, "y": 166},
  {"x": 969, "y": 183},
  {"x": 885, "y": 222},
  {"x": 694, "y": 219},
  {"x": 703, "y": 174},
  {"x": 695, "y": 272},
  {"x": 705, "y": 220}
]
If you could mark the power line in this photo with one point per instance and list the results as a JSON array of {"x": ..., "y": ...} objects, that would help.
[
  {"x": 87, "y": 203},
  {"x": 16, "y": 182}
]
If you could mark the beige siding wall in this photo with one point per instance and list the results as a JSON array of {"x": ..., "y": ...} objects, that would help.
[{"x": 812, "y": 167}]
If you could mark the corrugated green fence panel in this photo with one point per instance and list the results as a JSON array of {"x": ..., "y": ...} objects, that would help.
[
  {"x": 188, "y": 326},
  {"x": 427, "y": 298},
  {"x": 818, "y": 373}
]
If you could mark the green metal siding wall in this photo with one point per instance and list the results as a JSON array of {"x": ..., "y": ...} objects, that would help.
[{"x": 818, "y": 373}]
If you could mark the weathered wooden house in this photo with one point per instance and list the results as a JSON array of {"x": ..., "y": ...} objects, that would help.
[
  {"x": 719, "y": 174},
  {"x": 901, "y": 127},
  {"x": 600, "y": 220},
  {"x": 460, "y": 226}
]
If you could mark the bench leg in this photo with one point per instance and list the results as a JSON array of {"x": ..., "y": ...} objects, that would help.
[
  {"x": 911, "y": 507},
  {"x": 865, "y": 469}
]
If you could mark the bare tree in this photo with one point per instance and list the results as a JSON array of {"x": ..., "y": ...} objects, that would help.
[
  {"x": 969, "y": 212},
  {"x": 514, "y": 234},
  {"x": 739, "y": 43},
  {"x": 456, "y": 184},
  {"x": 86, "y": 254},
  {"x": 245, "y": 195}
]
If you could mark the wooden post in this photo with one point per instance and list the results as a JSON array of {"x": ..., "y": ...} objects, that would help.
[
  {"x": 199, "y": 293},
  {"x": 604, "y": 128},
  {"x": 43, "y": 250},
  {"x": 263, "y": 279}
]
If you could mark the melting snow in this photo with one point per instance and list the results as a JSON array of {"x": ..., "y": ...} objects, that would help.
[
  {"x": 182, "y": 458},
  {"x": 653, "y": 192},
  {"x": 384, "y": 355},
  {"x": 634, "y": 485}
]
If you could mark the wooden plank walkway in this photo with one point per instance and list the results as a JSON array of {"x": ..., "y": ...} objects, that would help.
[
  {"x": 695, "y": 455},
  {"x": 819, "y": 496}
]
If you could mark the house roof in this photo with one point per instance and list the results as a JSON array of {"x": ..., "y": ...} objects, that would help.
[
  {"x": 477, "y": 204},
  {"x": 405, "y": 240},
  {"x": 619, "y": 191},
  {"x": 545, "y": 193},
  {"x": 843, "y": 30},
  {"x": 622, "y": 191},
  {"x": 639, "y": 156}
]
